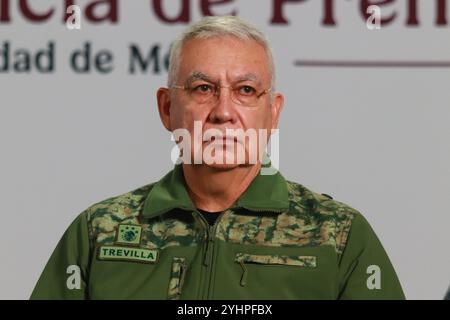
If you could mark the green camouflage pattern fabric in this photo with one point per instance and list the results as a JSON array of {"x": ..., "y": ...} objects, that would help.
[
  {"x": 105, "y": 217},
  {"x": 311, "y": 220},
  {"x": 301, "y": 261},
  {"x": 177, "y": 275},
  {"x": 295, "y": 244}
]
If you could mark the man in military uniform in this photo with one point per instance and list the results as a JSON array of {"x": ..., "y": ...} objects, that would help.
[{"x": 214, "y": 230}]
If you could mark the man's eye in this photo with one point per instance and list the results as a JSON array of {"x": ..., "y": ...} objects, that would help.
[
  {"x": 203, "y": 88},
  {"x": 247, "y": 90}
]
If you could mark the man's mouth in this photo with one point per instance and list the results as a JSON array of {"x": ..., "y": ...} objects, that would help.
[{"x": 223, "y": 139}]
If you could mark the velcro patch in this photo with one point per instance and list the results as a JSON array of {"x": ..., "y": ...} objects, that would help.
[
  {"x": 119, "y": 253},
  {"x": 129, "y": 234}
]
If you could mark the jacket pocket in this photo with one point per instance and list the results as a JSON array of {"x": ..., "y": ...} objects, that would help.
[
  {"x": 177, "y": 275},
  {"x": 274, "y": 260}
]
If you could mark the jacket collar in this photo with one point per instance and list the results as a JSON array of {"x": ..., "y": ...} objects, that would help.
[{"x": 265, "y": 193}]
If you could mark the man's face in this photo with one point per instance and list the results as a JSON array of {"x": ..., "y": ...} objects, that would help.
[{"x": 224, "y": 62}]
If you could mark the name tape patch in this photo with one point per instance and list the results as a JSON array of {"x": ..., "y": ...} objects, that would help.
[{"x": 119, "y": 253}]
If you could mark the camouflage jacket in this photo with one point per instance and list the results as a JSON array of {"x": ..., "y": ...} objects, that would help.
[{"x": 278, "y": 241}]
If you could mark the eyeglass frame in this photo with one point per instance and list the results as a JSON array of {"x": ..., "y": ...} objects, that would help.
[{"x": 217, "y": 90}]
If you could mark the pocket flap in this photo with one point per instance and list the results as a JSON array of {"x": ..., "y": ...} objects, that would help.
[{"x": 275, "y": 259}]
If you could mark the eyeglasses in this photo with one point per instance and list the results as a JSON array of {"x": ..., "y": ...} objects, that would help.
[{"x": 206, "y": 93}]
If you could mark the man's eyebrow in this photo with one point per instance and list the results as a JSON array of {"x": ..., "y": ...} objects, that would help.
[
  {"x": 248, "y": 77},
  {"x": 197, "y": 75}
]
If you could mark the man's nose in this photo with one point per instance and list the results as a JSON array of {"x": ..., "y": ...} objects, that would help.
[{"x": 224, "y": 107}]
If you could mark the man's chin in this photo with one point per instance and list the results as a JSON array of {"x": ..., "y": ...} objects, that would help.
[
  {"x": 223, "y": 166},
  {"x": 224, "y": 160},
  {"x": 224, "y": 163}
]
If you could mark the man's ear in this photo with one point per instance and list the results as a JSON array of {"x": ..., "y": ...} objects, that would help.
[
  {"x": 164, "y": 104},
  {"x": 276, "y": 107}
]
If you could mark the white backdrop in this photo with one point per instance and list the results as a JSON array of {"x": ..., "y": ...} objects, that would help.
[{"x": 374, "y": 138}]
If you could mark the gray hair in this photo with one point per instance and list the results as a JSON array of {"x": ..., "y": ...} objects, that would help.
[{"x": 213, "y": 27}]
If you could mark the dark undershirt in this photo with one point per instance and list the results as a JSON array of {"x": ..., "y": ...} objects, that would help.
[{"x": 211, "y": 217}]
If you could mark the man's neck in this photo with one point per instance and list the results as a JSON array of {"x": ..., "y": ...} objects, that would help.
[{"x": 215, "y": 190}]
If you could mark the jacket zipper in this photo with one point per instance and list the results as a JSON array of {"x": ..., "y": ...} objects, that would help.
[
  {"x": 211, "y": 242},
  {"x": 244, "y": 273},
  {"x": 208, "y": 255}
]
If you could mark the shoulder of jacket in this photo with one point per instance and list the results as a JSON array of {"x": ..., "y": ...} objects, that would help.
[
  {"x": 318, "y": 203},
  {"x": 333, "y": 218},
  {"x": 107, "y": 214}
]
